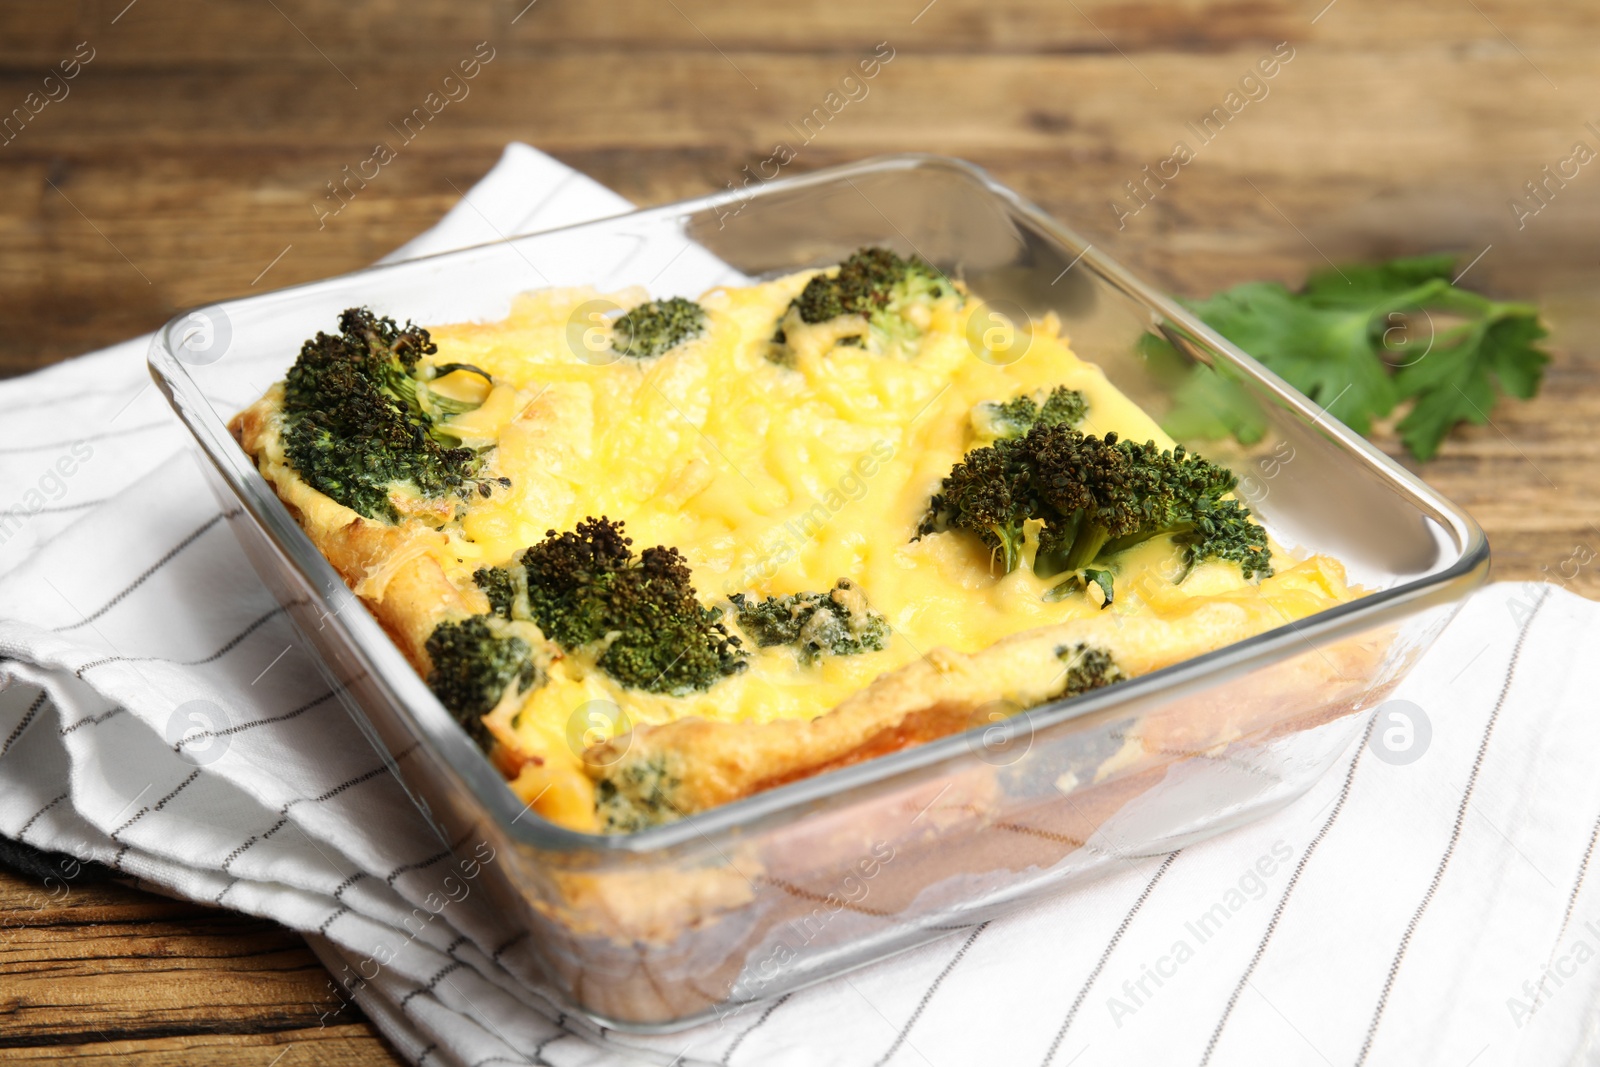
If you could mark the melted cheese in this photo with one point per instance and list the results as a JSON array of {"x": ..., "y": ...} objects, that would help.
[{"x": 775, "y": 480}]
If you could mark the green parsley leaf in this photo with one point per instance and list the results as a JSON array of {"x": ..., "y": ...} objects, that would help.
[
  {"x": 1358, "y": 340},
  {"x": 1326, "y": 353},
  {"x": 1457, "y": 382},
  {"x": 1208, "y": 402}
]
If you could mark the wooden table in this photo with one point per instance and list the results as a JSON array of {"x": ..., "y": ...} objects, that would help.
[{"x": 184, "y": 160}]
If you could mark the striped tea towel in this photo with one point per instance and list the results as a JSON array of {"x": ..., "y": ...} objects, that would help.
[{"x": 1425, "y": 903}]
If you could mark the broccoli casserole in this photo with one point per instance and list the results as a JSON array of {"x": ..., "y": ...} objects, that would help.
[{"x": 658, "y": 555}]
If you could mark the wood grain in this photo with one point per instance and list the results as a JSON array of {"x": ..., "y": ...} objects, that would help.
[
  {"x": 193, "y": 147},
  {"x": 96, "y": 969}
]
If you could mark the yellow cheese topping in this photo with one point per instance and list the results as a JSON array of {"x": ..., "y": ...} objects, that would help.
[{"x": 775, "y": 480}]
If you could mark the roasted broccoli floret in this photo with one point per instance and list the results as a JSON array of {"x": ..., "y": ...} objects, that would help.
[
  {"x": 474, "y": 664},
  {"x": 1095, "y": 497},
  {"x": 1224, "y": 530},
  {"x": 888, "y": 299},
  {"x": 989, "y": 494},
  {"x": 638, "y": 611},
  {"x": 503, "y": 587},
  {"x": 1087, "y": 668},
  {"x": 836, "y": 623},
  {"x": 1043, "y": 407},
  {"x": 653, "y": 328},
  {"x": 360, "y": 420}
]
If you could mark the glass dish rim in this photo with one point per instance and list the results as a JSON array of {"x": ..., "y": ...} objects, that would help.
[{"x": 491, "y": 791}]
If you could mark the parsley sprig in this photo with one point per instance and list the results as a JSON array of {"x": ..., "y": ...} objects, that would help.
[{"x": 1360, "y": 341}]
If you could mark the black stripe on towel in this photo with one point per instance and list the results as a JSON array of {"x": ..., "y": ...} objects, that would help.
[
  {"x": 1288, "y": 890},
  {"x": 27, "y": 721},
  {"x": 727, "y": 1057},
  {"x": 1455, "y": 835},
  {"x": 151, "y": 571},
  {"x": 1105, "y": 957},
  {"x": 927, "y": 996}
]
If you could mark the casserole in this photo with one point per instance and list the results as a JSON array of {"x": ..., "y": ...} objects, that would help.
[
  {"x": 667, "y": 925},
  {"x": 894, "y": 496}
]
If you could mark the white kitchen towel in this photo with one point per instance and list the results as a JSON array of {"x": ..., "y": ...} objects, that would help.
[{"x": 1422, "y": 904}]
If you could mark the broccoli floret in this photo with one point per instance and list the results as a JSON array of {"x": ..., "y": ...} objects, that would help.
[
  {"x": 503, "y": 588},
  {"x": 988, "y": 493},
  {"x": 636, "y": 794},
  {"x": 568, "y": 576},
  {"x": 836, "y": 623},
  {"x": 474, "y": 665},
  {"x": 873, "y": 282},
  {"x": 1063, "y": 407},
  {"x": 658, "y": 326},
  {"x": 1224, "y": 530},
  {"x": 1095, "y": 497},
  {"x": 639, "y": 611},
  {"x": 359, "y": 420},
  {"x": 1013, "y": 418},
  {"x": 1087, "y": 668},
  {"x": 890, "y": 295}
]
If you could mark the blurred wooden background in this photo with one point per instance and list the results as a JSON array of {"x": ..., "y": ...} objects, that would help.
[{"x": 183, "y": 162}]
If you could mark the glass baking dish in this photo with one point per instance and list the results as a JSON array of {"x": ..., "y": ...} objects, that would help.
[{"x": 672, "y": 925}]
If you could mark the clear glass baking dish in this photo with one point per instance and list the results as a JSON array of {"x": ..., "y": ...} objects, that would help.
[{"x": 672, "y": 925}]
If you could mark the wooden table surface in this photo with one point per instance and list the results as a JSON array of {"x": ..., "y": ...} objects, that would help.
[{"x": 182, "y": 165}]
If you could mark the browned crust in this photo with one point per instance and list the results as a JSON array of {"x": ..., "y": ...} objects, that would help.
[
  {"x": 413, "y": 597},
  {"x": 713, "y": 763},
  {"x": 914, "y": 728}
]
